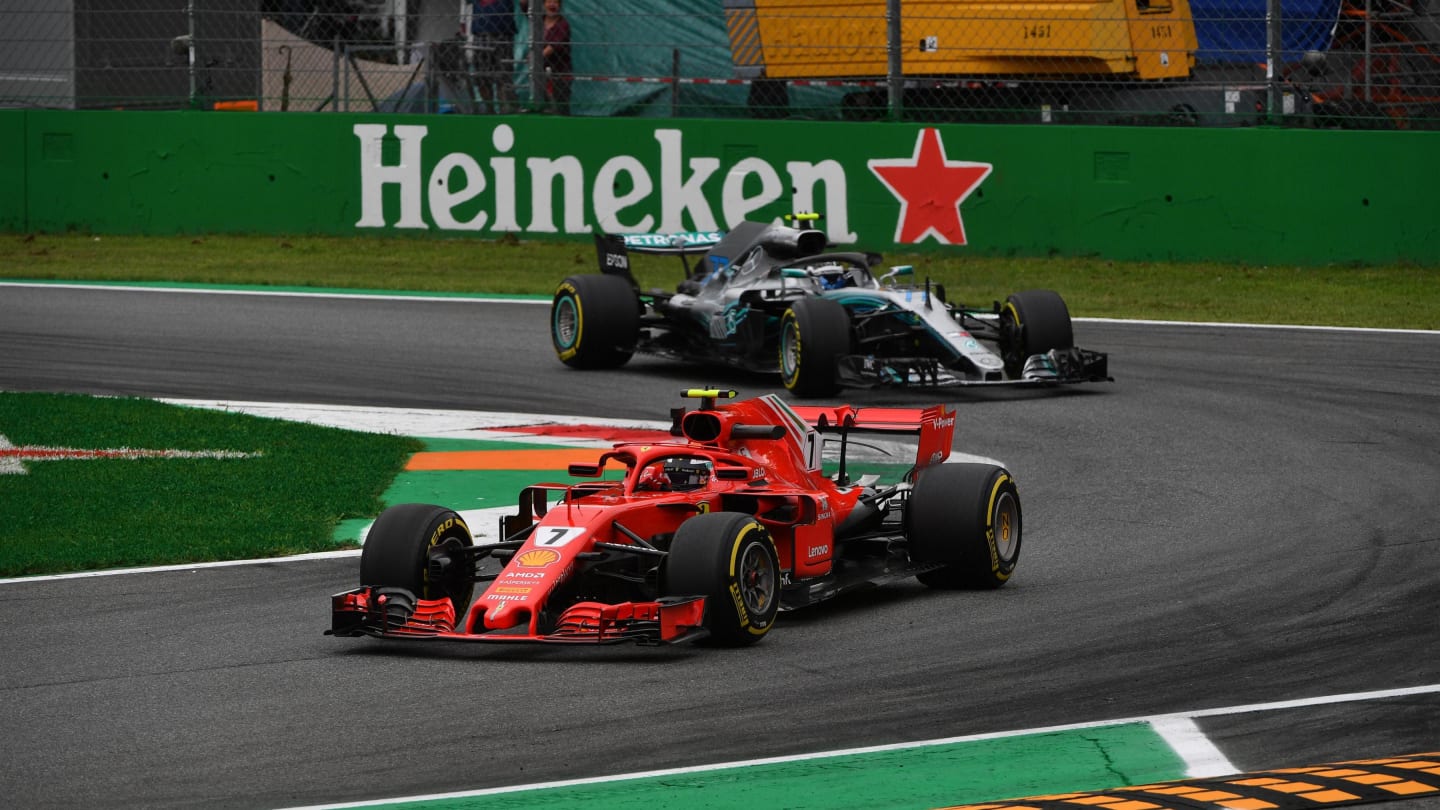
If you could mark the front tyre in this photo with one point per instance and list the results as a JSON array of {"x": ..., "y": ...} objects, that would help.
[
  {"x": 403, "y": 543},
  {"x": 966, "y": 516},
  {"x": 814, "y": 335},
  {"x": 594, "y": 321},
  {"x": 728, "y": 558},
  {"x": 1033, "y": 322}
]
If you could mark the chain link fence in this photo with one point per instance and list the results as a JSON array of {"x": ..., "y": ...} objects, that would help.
[{"x": 1332, "y": 63}]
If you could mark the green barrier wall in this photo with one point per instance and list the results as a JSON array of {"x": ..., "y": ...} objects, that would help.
[{"x": 1251, "y": 195}]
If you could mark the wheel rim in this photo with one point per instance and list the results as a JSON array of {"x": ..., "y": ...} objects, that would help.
[
  {"x": 567, "y": 322},
  {"x": 1006, "y": 525},
  {"x": 789, "y": 350},
  {"x": 757, "y": 580},
  {"x": 450, "y": 585}
]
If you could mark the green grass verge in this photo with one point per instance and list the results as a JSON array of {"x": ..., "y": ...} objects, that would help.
[
  {"x": 76, "y": 515},
  {"x": 1397, "y": 297}
]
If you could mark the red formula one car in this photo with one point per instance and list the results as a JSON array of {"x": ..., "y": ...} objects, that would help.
[{"x": 750, "y": 510}]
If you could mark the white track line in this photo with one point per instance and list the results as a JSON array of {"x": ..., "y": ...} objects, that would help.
[
  {"x": 421, "y": 422},
  {"x": 1185, "y": 738},
  {"x": 379, "y": 296}
]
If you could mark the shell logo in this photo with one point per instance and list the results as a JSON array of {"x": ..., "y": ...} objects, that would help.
[{"x": 537, "y": 558}]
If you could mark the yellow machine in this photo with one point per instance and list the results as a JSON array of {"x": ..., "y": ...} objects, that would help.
[{"x": 840, "y": 39}]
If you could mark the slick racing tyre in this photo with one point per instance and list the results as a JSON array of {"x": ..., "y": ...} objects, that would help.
[
  {"x": 594, "y": 321},
  {"x": 966, "y": 516},
  {"x": 402, "y": 544},
  {"x": 814, "y": 334},
  {"x": 1033, "y": 322},
  {"x": 728, "y": 558}
]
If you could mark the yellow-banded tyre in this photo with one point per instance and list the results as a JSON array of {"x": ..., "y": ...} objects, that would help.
[
  {"x": 1033, "y": 322},
  {"x": 729, "y": 558},
  {"x": 416, "y": 546},
  {"x": 814, "y": 335},
  {"x": 594, "y": 321},
  {"x": 967, "y": 517}
]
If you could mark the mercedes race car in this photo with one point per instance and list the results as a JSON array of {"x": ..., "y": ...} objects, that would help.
[
  {"x": 751, "y": 509},
  {"x": 774, "y": 298}
]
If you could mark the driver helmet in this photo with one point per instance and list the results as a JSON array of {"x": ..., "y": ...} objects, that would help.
[
  {"x": 831, "y": 277},
  {"x": 687, "y": 474}
]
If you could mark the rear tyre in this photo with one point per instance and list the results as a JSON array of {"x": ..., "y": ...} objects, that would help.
[
  {"x": 594, "y": 321},
  {"x": 1033, "y": 322},
  {"x": 966, "y": 516},
  {"x": 814, "y": 335},
  {"x": 728, "y": 558},
  {"x": 403, "y": 541}
]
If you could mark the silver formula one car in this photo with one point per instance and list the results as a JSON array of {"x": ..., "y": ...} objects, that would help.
[{"x": 772, "y": 298}]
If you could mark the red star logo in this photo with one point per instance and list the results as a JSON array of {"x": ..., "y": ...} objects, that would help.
[{"x": 930, "y": 190}]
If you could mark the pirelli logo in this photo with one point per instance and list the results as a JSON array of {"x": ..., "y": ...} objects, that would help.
[
  {"x": 1358, "y": 782},
  {"x": 744, "y": 27}
]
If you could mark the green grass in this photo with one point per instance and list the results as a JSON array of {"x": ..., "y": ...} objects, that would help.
[
  {"x": 76, "y": 515},
  {"x": 1399, "y": 297}
]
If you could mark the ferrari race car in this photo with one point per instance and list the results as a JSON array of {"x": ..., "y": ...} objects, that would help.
[
  {"x": 708, "y": 536},
  {"x": 772, "y": 298}
]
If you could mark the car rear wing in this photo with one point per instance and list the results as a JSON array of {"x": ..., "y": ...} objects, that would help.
[
  {"x": 669, "y": 244},
  {"x": 934, "y": 425},
  {"x": 613, "y": 249},
  {"x": 717, "y": 249}
]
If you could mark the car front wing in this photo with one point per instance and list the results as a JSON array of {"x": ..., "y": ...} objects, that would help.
[
  {"x": 395, "y": 613},
  {"x": 1055, "y": 367}
]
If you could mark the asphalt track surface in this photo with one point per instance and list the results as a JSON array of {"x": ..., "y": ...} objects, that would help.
[{"x": 1245, "y": 516}]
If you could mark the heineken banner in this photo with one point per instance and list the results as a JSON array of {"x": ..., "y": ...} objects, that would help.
[{"x": 1250, "y": 195}]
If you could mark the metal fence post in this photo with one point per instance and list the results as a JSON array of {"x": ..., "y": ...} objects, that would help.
[
  {"x": 190, "y": 49},
  {"x": 893, "y": 68},
  {"x": 1274, "y": 53},
  {"x": 335, "y": 74},
  {"x": 1369, "y": 90},
  {"x": 537, "y": 55}
]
